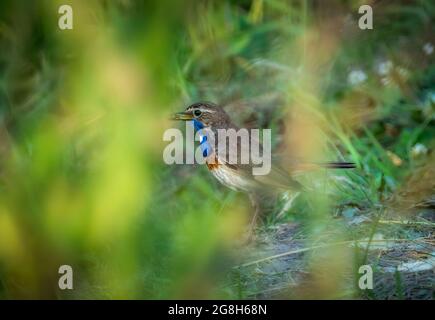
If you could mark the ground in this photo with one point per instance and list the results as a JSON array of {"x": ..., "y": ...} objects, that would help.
[{"x": 276, "y": 263}]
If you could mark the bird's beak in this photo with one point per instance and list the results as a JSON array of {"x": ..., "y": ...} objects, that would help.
[{"x": 182, "y": 116}]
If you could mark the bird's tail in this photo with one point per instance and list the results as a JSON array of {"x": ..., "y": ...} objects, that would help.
[
  {"x": 337, "y": 165},
  {"x": 303, "y": 167}
]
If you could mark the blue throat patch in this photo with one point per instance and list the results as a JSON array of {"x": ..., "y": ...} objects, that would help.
[{"x": 205, "y": 146}]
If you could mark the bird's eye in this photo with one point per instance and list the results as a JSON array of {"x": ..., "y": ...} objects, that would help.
[{"x": 197, "y": 113}]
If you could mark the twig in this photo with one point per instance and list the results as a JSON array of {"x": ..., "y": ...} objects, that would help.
[
  {"x": 406, "y": 222},
  {"x": 288, "y": 253}
]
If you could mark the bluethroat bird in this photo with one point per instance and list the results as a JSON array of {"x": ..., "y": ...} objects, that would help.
[{"x": 207, "y": 119}]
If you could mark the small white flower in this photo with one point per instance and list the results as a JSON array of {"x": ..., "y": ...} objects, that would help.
[
  {"x": 384, "y": 67},
  {"x": 356, "y": 77},
  {"x": 418, "y": 149},
  {"x": 385, "y": 81},
  {"x": 428, "y": 48}
]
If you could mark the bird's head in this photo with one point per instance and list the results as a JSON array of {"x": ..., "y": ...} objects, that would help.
[{"x": 206, "y": 113}]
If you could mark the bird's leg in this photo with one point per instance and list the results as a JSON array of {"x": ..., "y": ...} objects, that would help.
[{"x": 256, "y": 206}]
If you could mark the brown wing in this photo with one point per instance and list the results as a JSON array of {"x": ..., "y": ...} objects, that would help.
[{"x": 279, "y": 178}]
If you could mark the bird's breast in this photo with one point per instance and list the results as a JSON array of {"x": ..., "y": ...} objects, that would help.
[{"x": 228, "y": 176}]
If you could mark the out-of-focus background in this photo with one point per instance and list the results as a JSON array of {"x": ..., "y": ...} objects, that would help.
[{"x": 83, "y": 182}]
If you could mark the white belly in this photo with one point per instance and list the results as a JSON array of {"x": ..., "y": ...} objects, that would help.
[{"x": 227, "y": 177}]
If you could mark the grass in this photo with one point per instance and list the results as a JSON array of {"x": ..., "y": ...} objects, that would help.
[{"x": 83, "y": 112}]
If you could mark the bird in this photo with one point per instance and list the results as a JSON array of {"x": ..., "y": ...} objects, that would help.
[{"x": 208, "y": 118}]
